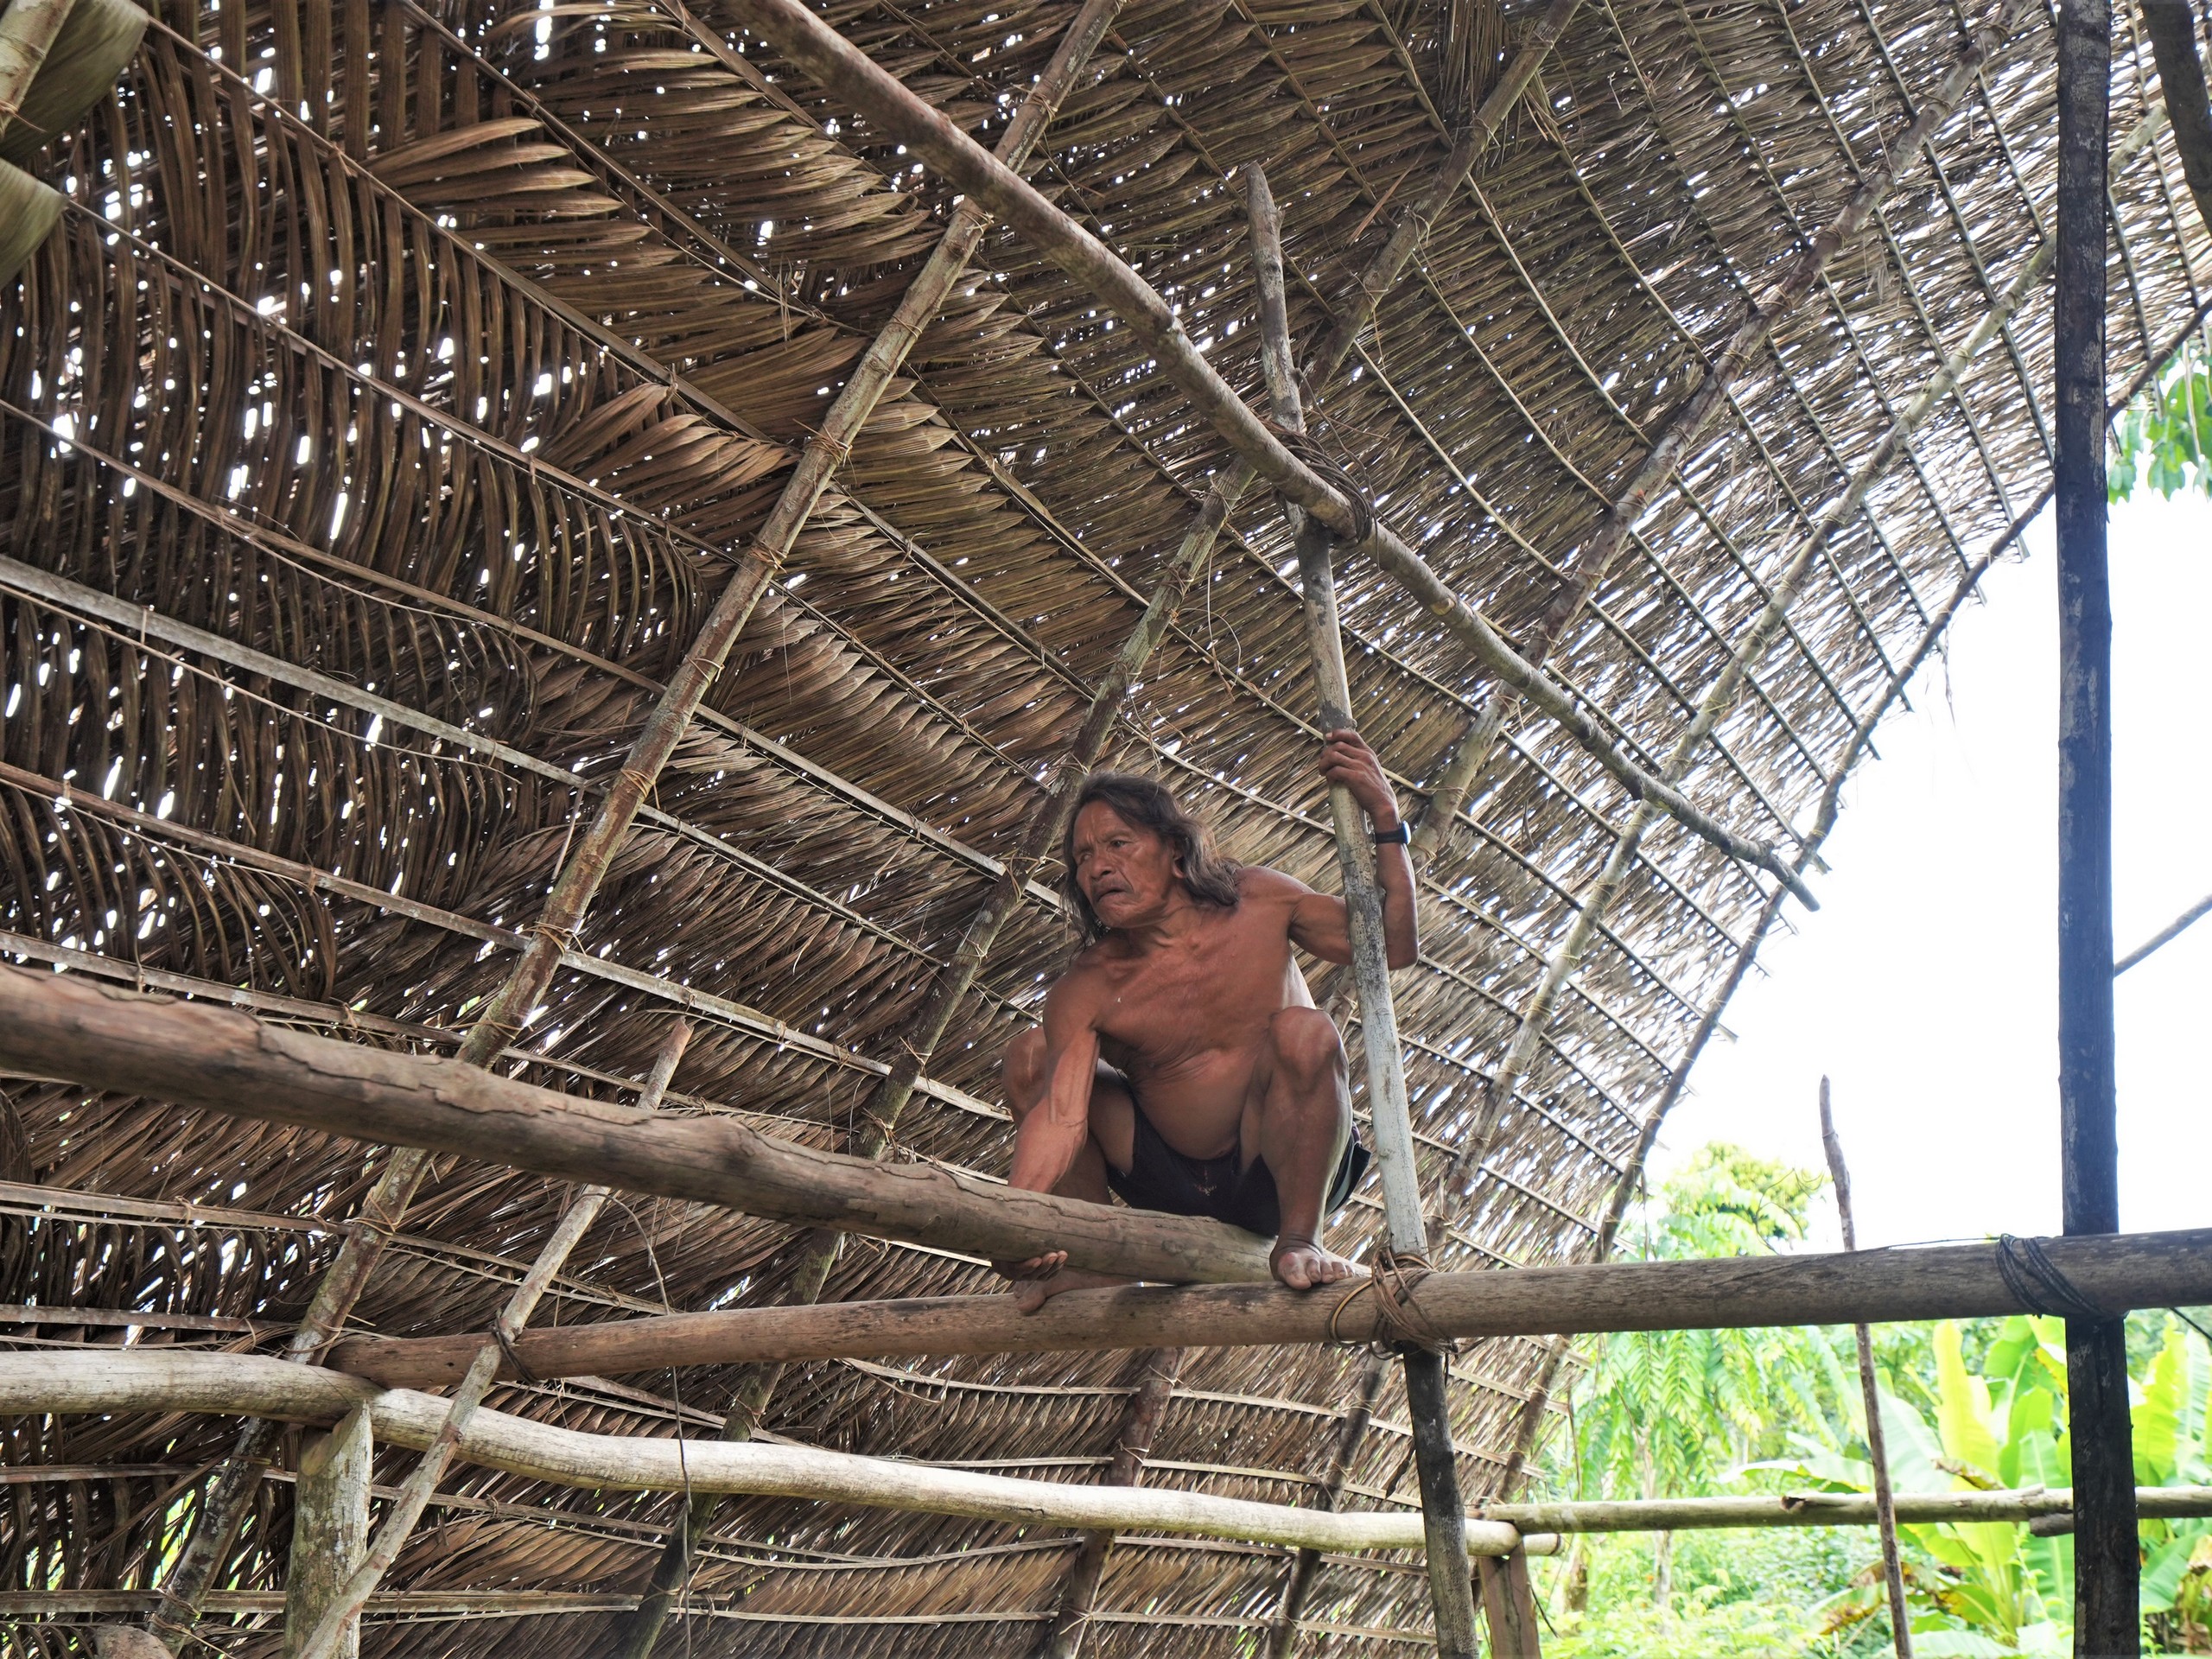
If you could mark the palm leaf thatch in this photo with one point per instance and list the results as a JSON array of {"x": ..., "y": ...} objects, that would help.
[{"x": 403, "y": 380}]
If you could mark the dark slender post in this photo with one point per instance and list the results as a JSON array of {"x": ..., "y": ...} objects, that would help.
[{"x": 2106, "y": 1566}]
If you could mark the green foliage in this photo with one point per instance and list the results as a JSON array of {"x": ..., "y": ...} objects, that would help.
[
  {"x": 1665, "y": 1412},
  {"x": 2164, "y": 441},
  {"x": 1978, "y": 1405}
]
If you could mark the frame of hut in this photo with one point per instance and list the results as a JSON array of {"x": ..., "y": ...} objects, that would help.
[{"x": 560, "y": 565}]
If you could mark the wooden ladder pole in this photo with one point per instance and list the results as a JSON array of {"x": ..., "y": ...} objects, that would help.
[{"x": 1392, "y": 1123}]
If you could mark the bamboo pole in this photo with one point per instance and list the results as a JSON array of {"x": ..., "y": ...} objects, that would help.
[
  {"x": 843, "y": 69},
  {"x": 1873, "y": 1287},
  {"x": 200, "y": 1054},
  {"x": 2165, "y": 935},
  {"x": 328, "y": 1638},
  {"x": 1389, "y": 1113},
  {"x": 27, "y": 31},
  {"x": 2108, "y": 1564},
  {"x": 1156, "y": 1371},
  {"x": 1886, "y": 1510},
  {"x": 70, "y": 1383}
]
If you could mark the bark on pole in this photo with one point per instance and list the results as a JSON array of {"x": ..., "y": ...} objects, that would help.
[
  {"x": 330, "y": 1532},
  {"x": 2106, "y": 1564},
  {"x": 1389, "y": 1113},
  {"x": 1873, "y": 1287},
  {"x": 202, "y": 1054},
  {"x": 1886, "y": 1508}
]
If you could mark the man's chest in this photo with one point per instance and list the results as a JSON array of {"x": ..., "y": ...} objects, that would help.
[{"x": 1192, "y": 992}]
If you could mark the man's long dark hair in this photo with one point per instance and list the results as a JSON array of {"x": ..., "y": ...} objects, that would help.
[{"x": 1144, "y": 802}]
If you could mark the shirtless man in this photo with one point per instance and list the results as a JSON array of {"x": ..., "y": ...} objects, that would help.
[{"x": 1182, "y": 1062}]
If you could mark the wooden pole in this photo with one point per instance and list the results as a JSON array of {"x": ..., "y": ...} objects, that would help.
[
  {"x": 2164, "y": 935},
  {"x": 1875, "y": 1286},
  {"x": 65, "y": 1383},
  {"x": 844, "y": 70},
  {"x": 2171, "y": 25},
  {"x": 330, "y": 1531},
  {"x": 1351, "y": 1429},
  {"x": 1886, "y": 1511},
  {"x": 339, "y": 1622},
  {"x": 1389, "y": 1114},
  {"x": 76, "y": 1382},
  {"x": 1156, "y": 1372},
  {"x": 2106, "y": 1559},
  {"x": 202, "y": 1054},
  {"x": 1510, "y": 1606}
]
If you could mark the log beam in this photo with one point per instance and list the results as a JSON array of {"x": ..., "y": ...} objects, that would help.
[
  {"x": 66, "y": 1383},
  {"x": 75, "y": 1383},
  {"x": 199, "y": 1055},
  {"x": 2118, "y": 1271}
]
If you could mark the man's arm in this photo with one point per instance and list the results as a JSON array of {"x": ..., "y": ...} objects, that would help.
[
  {"x": 1320, "y": 923},
  {"x": 1046, "y": 1145}
]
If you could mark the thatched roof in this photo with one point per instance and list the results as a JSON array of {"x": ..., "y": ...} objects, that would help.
[{"x": 439, "y": 360}]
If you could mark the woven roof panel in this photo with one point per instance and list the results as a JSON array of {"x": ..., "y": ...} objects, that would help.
[{"x": 403, "y": 384}]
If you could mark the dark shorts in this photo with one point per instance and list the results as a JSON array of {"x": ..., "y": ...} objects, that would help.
[{"x": 1160, "y": 1178}]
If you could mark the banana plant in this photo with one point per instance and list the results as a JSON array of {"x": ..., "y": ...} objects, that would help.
[{"x": 1996, "y": 1589}]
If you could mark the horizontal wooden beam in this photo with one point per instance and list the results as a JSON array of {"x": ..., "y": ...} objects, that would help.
[
  {"x": 2118, "y": 1272},
  {"x": 249, "y": 1385},
  {"x": 198, "y": 1054},
  {"x": 1827, "y": 1509},
  {"x": 68, "y": 1383},
  {"x": 842, "y": 68}
]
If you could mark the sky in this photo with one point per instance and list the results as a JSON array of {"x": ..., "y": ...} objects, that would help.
[{"x": 1926, "y": 986}]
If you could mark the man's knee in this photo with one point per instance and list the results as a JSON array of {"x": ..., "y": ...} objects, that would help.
[
  {"x": 1305, "y": 1043},
  {"x": 1023, "y": 1069}
]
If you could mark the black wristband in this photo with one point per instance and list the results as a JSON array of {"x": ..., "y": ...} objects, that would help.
[{"x": 1400, "y": 836}]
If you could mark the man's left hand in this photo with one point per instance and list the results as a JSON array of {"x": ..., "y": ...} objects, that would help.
[{"x": 1346, "y": 760}]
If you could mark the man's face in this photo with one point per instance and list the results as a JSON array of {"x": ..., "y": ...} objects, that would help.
[{"x": 1126, "y": 871}]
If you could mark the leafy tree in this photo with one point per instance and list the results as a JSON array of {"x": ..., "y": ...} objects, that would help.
[
  {"x": 1663, "y": 1413},
  {"x": 2164, "y": 441}
]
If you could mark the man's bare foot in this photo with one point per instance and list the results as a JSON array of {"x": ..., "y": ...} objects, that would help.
[
  {"x": 1302, "y": 1264},
  {"x": 1030, "y": 1295}
]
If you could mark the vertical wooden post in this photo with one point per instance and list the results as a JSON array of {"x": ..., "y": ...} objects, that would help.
[
  {"x": 330, "y": 1530},
  {"x": 2107, "y": 1566},
  {"x": 1510, "y": 1606},
  {"x": 1156, "y": 1369},
  {"x": 1885, "y": 1508},
  {"x": 1389, "y": 1114}
]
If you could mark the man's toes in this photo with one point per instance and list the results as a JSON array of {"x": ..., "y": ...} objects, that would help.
[{"x": 1334, "y": 1267}]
